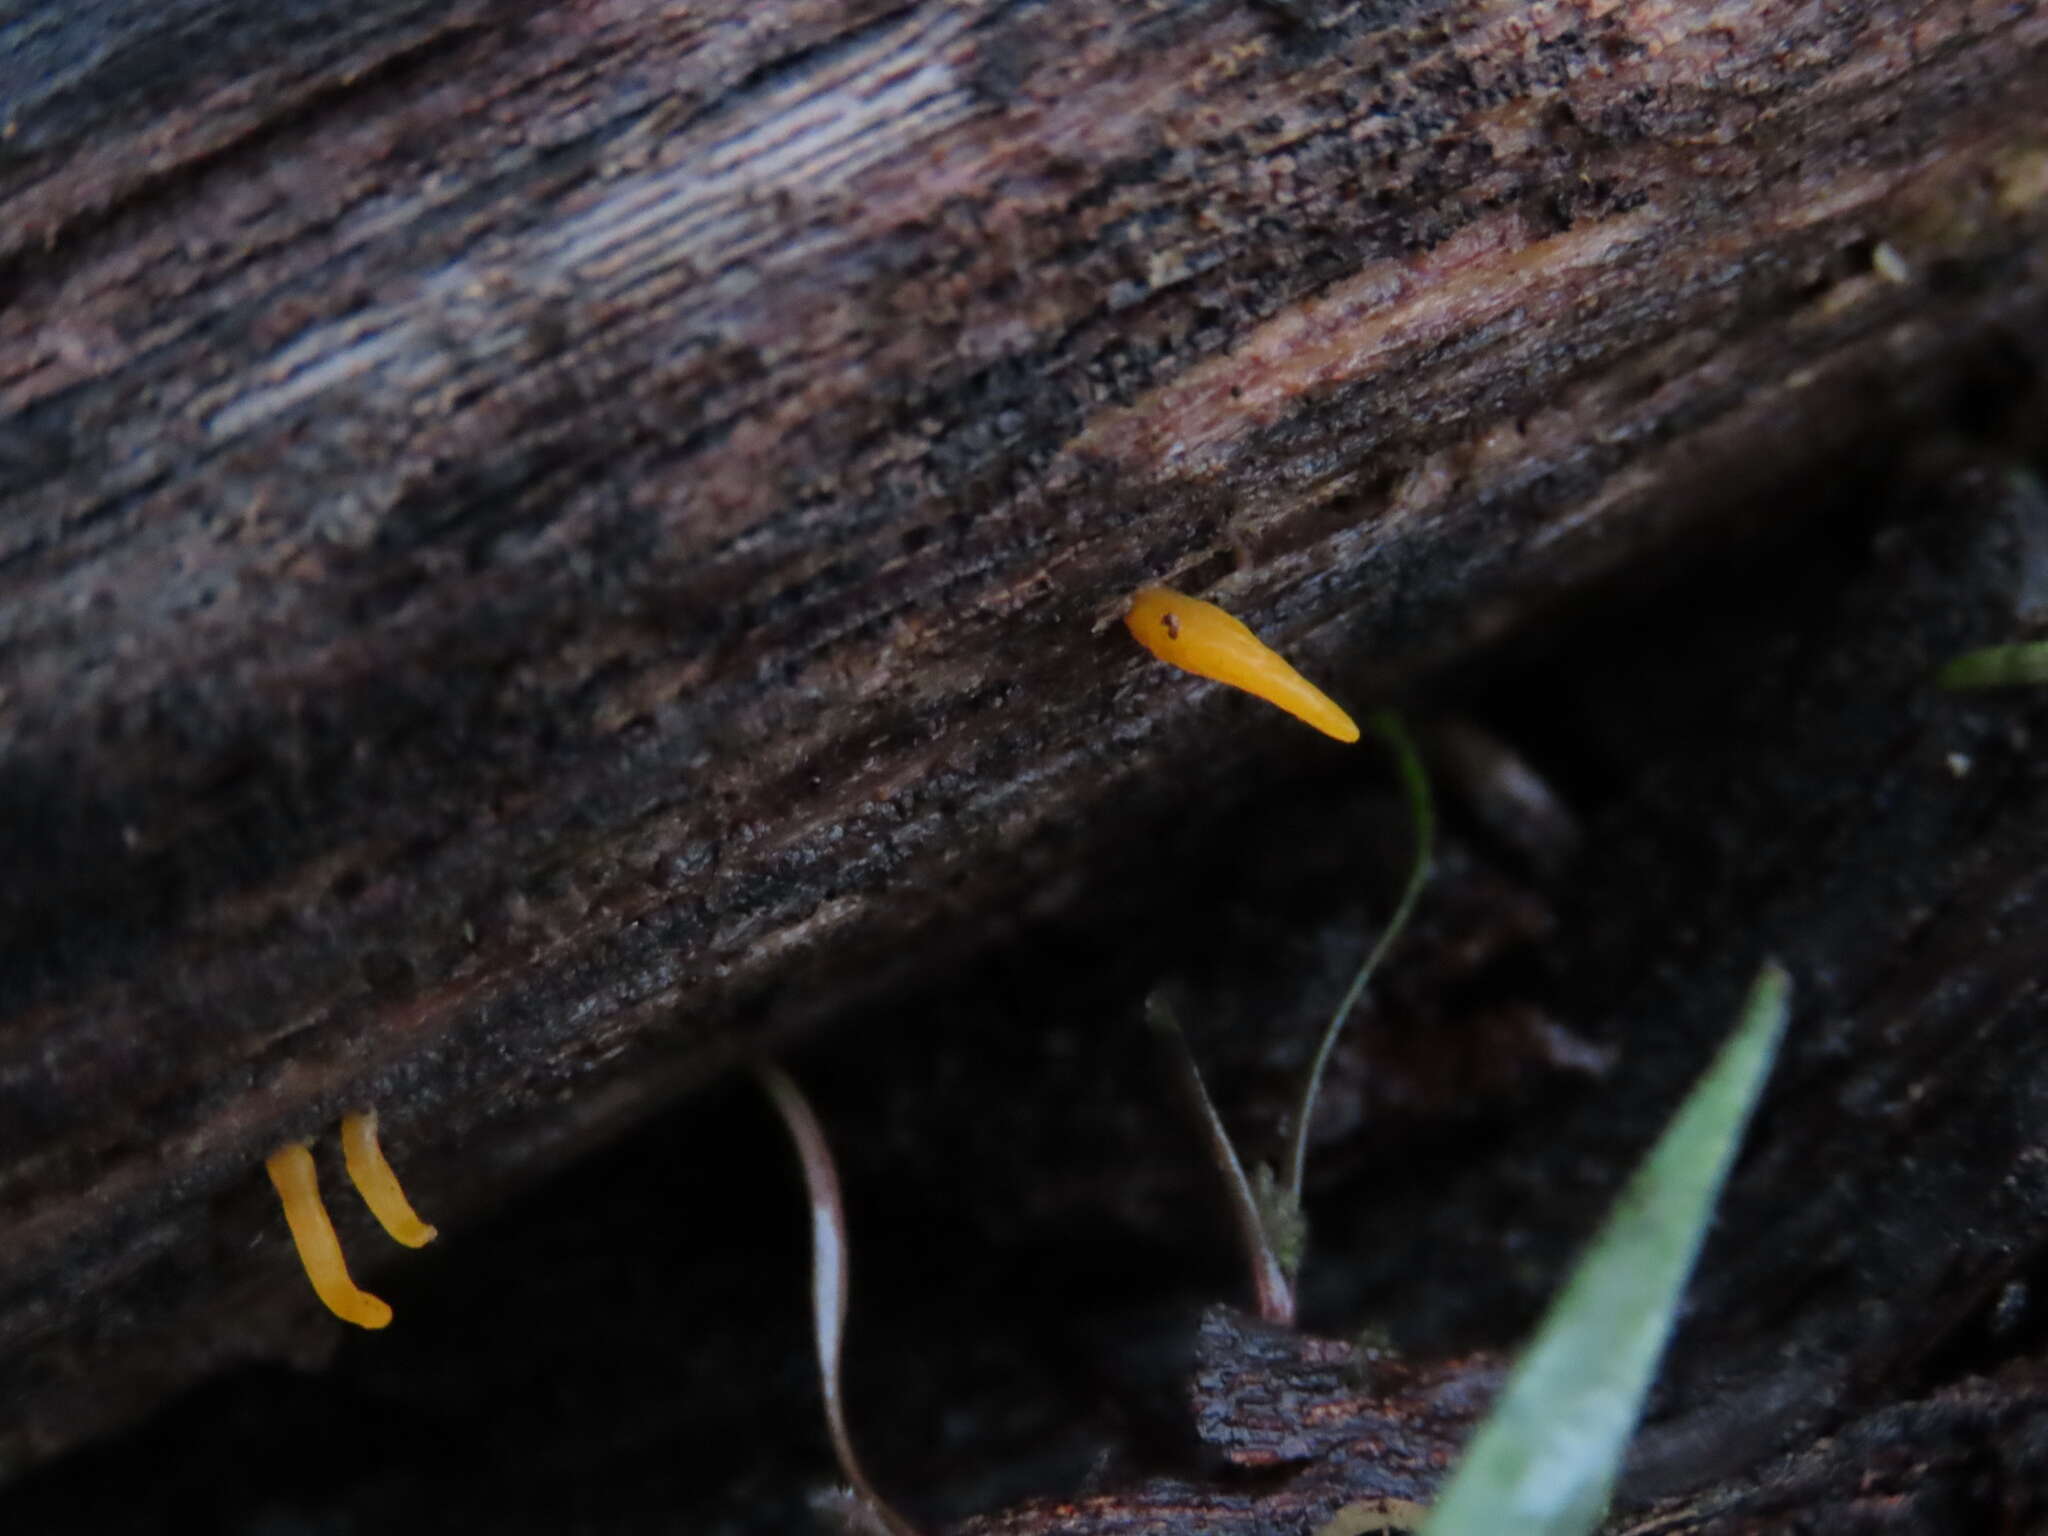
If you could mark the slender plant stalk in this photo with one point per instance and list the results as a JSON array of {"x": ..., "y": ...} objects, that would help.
[
  {"x": 829, "y": 1280},
  {"x": 1270, "y": 1282},
  {"x": 1422, "y": 816}
]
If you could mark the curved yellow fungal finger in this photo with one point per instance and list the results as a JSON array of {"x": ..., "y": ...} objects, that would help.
[
  {"x": 291, "y": 1172},
  {"x": 377, "y": 1184},
  {"x": 1201, "y": 638}
]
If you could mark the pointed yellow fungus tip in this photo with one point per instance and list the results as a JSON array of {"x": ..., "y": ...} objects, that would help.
[
  {"x": 377, "y": 1184},
  {"x": 297, "y": 1185},
  {"x": 1201, "y": 638}
]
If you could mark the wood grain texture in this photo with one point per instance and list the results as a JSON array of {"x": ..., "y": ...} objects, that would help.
[
  {"x": 1758, "y": 764},
  {"x": 542, "y": 551}
]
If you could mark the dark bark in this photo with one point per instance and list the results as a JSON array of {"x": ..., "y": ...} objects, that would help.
[
  {"x": 1759, "y": 765},
  {"x": 540, "y": 554}
]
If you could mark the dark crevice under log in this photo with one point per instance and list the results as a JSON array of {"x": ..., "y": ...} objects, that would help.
[{"x": 542, "y": 554}]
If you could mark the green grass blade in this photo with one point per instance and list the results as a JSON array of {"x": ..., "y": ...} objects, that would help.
[
  {"x": 1544, "y": 1462},
  {"x": 1997, "y": 666}
]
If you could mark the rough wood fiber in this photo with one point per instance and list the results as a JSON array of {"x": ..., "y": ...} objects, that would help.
[
  {"x": 1759, "y": 764},
  {"x": 540, "y": 550}
]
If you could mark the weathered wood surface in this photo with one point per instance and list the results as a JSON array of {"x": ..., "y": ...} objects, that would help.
[
  {"x": 1757, "y": 763},
  {"x": 539, "y": 552}
]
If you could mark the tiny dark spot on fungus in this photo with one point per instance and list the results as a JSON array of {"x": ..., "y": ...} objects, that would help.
[{"x": 1172, "y": 624}]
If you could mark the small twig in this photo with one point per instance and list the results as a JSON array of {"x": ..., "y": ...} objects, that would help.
[
  {"x": 1269, "y": 1275},
  {"x": 1421, "y": 813},
  {"x": 829, "y": 1280}
]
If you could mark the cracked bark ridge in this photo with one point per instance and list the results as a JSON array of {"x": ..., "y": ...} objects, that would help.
[
  {"x": 1334, "y": 1425},
  {"x": 541, "y": 552},
  {"x": 1268, "y": 1397}
]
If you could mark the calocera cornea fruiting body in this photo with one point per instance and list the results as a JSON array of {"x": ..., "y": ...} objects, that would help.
[
  {"x": 298, "y": 1186},
  {"x": 297, "y": 1182},
  {"x": 1201, "y": 638},
  {"x": 371, "y": 1174}
]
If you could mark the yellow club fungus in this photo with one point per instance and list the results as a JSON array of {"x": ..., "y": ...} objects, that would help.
[
  {"x": 1201, "y": 638},
  {"x": 377, "y": 1184},
  {"x": 298, "y": 1186},
  {"x": 291, "y": 1171}
]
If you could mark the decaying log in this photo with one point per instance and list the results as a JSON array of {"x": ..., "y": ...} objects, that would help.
[
  {"x": 1758, "y": 765},
  {"x": 542, "y": 553}
]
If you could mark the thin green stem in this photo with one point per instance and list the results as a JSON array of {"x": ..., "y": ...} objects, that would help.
[{"x": 1422, "y": 816}]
